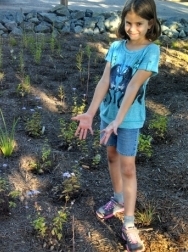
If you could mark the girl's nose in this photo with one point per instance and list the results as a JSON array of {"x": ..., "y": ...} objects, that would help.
[{"x": 132, "y": 28}]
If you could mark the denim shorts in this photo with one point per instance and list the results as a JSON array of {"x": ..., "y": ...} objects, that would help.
[{"x": 126, "y": 140}]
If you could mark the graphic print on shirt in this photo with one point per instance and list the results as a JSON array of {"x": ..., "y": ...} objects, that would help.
[{"x": 119, "y": 79}]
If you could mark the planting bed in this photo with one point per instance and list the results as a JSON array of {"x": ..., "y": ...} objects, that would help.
[{"x": 59, "y": 85}]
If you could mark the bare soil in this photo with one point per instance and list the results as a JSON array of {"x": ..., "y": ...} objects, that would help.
[{"x": 162, "y": 179}]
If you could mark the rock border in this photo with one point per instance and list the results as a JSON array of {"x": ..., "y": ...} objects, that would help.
[{"x": 60, "y": 20}]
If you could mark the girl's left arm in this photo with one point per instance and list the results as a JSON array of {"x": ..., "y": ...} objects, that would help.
[{"x": 134, "y": 85}]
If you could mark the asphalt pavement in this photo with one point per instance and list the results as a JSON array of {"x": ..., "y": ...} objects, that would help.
[{"x": 165, "y": 9}]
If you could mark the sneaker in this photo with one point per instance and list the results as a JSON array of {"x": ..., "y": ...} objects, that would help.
[
  {"x": 133, "y": 241},
  {"x": 110, "y": 209}
]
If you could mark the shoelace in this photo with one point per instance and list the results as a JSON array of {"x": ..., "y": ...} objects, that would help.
[
  {"x": 109, "y": 205},
  {"x": 132, "y": 235}
]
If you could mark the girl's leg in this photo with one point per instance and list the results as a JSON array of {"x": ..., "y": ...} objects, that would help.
[
  {"x": 115, "y": 205},
  {"x": 129, "y": 231},
  {"x": 128, "y": 174},
  {"x": 114, "y": 169}
]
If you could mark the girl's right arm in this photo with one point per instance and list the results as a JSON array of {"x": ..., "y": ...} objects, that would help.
[{"x": 86, "y": 119}]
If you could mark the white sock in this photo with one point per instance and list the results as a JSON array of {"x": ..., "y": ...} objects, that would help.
[
  {"x": 119, "y": 198},
  {"x": 128, "y": 221}
]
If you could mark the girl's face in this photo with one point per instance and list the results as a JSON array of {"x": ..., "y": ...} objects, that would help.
[{"x": 136, "y": 27}]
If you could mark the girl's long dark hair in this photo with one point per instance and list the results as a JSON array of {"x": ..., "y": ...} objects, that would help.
[{"x": 146, "y": 9}]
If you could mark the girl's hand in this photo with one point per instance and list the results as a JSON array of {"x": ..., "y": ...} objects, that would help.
[
  {"x": 111, "y": 128},
  {"x": 84, "y": 125}
]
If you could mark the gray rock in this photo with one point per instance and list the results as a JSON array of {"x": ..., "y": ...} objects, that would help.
[
  {"x": 10, "y": 25},
  {"x": 3, "y": 28},
  {"x": 34, "y": 20},
  {"x": 27, "y": 26},
  {"x": 112, "y": 23},
  {"x": 77, "y": 14},
  {"x": 16, "y": 31},
  {"x": 78, "y": 29},
  {"x": 88, "y": 13},
  {"x": 164, "y": 28},
  {"x": 49, "y": 17},
  {"x": 19, "y": 17},
  {"x": 165, "y": 40},
  {"x": 43, "y": 28},
  {"x": 66, "y": 28},
  {"x": 172, "y": 33},
  {"x": 90, "y": 22},
  {"x": 88, "y": 31},
  {"x": 58, "y": 23},
  {"x": 182, "y": 34}
]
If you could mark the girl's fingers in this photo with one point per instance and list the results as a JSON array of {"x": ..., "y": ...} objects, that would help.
[
  {"x": 91, "y": 131},
  {"x": 77, "y": 131},
  {"x": 81, "y": 134},
  {"x": 105, "y": 138},
  {"x": 75, "y": 118},
  {"x": 85, "y": 134}
]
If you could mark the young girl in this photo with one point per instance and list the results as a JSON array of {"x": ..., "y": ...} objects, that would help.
[{"x": 120, "y": 93}]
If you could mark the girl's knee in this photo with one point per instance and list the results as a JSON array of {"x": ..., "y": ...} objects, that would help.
[
  {"x": 128, "y": 170},
  {"x": 112, "y": 154}
]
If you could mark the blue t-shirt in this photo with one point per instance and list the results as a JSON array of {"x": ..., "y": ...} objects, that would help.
[{"x": 124, "y": 64}]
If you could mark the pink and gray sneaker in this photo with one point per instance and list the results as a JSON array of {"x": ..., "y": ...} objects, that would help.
[
  {"x": 109, "y": 209},
  {"x": 133, "y": 241}
]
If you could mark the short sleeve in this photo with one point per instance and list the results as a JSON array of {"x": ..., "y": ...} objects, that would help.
[
  {"x": 111, "y": 50},
  {"x": 150, "y": 61}
]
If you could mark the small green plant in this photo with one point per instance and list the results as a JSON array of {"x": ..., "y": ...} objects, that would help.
[
  {"x": 34, "y": 125},
  {"x": 12, "y": 41},
  {"x": 1, "y": 54},
  {"x": 146, "y": 216},
  {"x": 159, "y": 125},
  {"x": 3, "y": 185},
  {"x": 7, "y": 197},
  {"x": 96, "y": 160},
  {"x": 83, "y": 147},
  {"x": 96, "y": 141},
  {"x": 39, "y": 44},
  {"x": 13, "y": 195},
  {"x": 7, "y": 140},
  {"x": 40, "y": 225},
  {"x": 78, "y": 108},
  {"x": 61, "y": 93},
  {"x": 59, "y": 49},
  {"x": 2, "y": 76},
  {"x": 144, "y": 145},
  {"x": 24, "y": 87},
  {"x": 43, "y": 161},
  {"x": 50, "y": 230},
  {"x": 79, "y": 61},
  {"x": 46, "y": 156},
  {"x": 38, "y": 54},
  {"x": 88, "y": 53},
  {"x": 21, "y": 62},
  {"x": 57, "y": 223},
  {"x": 35, "y": 166},
  {"x": 69, "y": 188},
  {"x": 52, "y": 43},
  {"x": 29, "y": 42},
  {"x": 68, "y": 132}
]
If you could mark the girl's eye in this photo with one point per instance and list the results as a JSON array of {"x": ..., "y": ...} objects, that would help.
[{"x": 138, "y": 24}]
